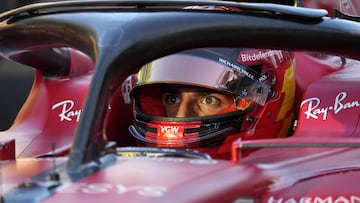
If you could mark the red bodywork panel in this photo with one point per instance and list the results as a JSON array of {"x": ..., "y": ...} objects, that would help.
[
  {"x": 330, "y": 105},
  {"x": 52, "y": 111},
  {"x": 7, "y": 150},
  {"x": 267, "y": 176},
  {"x": 15, "y": 173}
]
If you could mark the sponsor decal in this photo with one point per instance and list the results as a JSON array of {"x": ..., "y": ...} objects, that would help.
[
  {"x": 105, "y": 188},
  {"x": 199, "y": 162},
  {"x": 67, "y": 113},
  {"x": 260, "y": 55},
  {"x": 127, "y": 86},
  {"x": 237, "y": 68},
  {"x": 328, "y": 199},
  {"x": 315, "y": 110},
  {"x": 202, "y": 162},
  {"x": 170, "y": 132},
  {"x": 346, "y": 6}
]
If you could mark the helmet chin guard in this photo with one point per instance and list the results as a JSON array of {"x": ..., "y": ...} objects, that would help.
[{"x": 204, "y": 131}]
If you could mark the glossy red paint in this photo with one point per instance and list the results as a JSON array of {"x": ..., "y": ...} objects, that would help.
[
  {"x": 7, "y": 150},
  {"x": 19, "y": 172},
  {"x": 269, "y": 174},
  {"x": 308, "y": 167},
  {"x": 162, "y": 180},
  {"x": 52, "y": 110},
  {"x": 331, "y": 101}
]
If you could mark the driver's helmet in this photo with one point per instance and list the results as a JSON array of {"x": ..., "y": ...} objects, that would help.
[{"x": 257, "y": 88}]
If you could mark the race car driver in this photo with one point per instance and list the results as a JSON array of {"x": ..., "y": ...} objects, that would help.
[{"x": 204, "y": 99}]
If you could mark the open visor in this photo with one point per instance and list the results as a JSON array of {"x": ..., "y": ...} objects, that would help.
[{"x": 205, "y": 70}]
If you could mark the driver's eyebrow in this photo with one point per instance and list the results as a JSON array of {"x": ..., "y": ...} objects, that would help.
[
  {"x": 171, "y": 90},
  {"x": 200, "y": 93},
  {"x": 196, "y": 91}
]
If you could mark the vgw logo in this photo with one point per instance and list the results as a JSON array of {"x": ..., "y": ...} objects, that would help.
[
  {"x": 170, "y": 132},
  {"x": 169, "y": 129}
]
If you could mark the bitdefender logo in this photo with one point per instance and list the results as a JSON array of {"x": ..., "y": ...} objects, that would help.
[
  {"x": 169, "y": 129},
  {"x": 250, "y": 57}
]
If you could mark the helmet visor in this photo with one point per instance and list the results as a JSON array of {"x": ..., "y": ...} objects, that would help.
[
  {"x": 217, "y": 73},
  {"x": 183, "y": 101}
]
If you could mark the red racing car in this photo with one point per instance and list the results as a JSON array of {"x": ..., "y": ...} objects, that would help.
[{"x": 82, "y": 135}]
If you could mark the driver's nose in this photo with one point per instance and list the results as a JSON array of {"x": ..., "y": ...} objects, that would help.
[{"x": 186, "y": 108}]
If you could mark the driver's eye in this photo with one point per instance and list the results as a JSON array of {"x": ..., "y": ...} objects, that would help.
[
  {"x": 170, "y": 99},
  {"x": 210, "y": 100}
]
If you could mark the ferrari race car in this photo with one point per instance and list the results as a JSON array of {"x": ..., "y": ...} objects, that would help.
[{"x": 83, "y": 51}]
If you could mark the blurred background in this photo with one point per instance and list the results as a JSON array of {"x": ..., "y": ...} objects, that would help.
[
  {"x": 15, "y": 84},
  {"x": 15, "y": 80}
]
